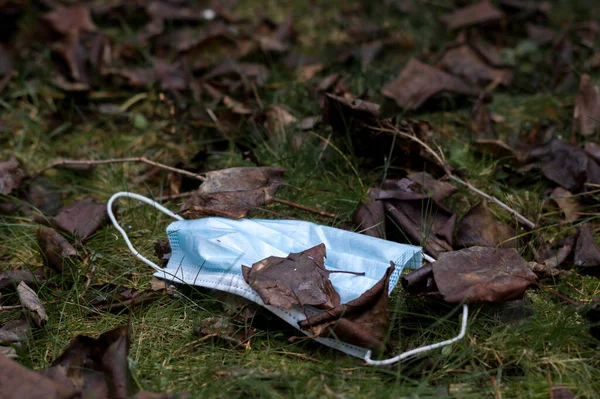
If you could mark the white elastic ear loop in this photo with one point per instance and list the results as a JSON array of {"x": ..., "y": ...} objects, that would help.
[
  {"x": 124, "y": 234},
  {"x": 427, "y": 348}
]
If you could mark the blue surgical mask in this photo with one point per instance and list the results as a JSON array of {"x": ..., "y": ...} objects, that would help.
[{"x": 210, "y": 252}]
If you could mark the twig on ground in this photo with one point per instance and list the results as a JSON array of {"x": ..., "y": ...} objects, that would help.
[
  {"x": 63, "y": 162},
  {"x": 469, "y": 186},
  {"x": 304, "y": 208}
]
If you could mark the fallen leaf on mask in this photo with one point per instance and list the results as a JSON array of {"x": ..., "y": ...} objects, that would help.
[
  {"x": 480, "y": 13},
  {"x": 419, "y": 82},
  {"x": 298, "y": 280},
  {"x": 481, "y": 274},
  {"x": 587, "y": 107},
  {"x": 587, "y": 251},
  {"x": 82, "y": 218},
  {"x": 370, "y": 216},
  {"x": 363, "y": 321},
  {"x": 56, "y": 250},
  {"x": 479, "y": 228},
  {"x": 567, "y": 203},
  {"x": 32, "y": 305},
  {"x": 233, "y": 192}
]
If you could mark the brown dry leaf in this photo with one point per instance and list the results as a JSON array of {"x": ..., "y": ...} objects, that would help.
[
  {"x": 18, "y": 382},
  {"x": 96, "y": 368},
  {"x": 466, "y": 62},
  {"x": 479, "y": 228},
  {"x": 12, "y": 278},
  {"x": 553, "y": 255},
  {"x": 70, "y": 20},
  {"x": 11, "y": 176},
  {"x": 567, "y": 203},
  {"x": 55, "y": 249},
  {"x": 419, "y": 281},
  {"x": 278, "y": 120},
  {"x": 349, "y": 114},
  {"x": 422, "y": 222},
  {"x": 14, "y": 332},
  {"x": 593, "y": 150},
  {"x": 242, "y": 70},
  {"x": 480, "y": 13},
  {"x": 494, "y": 148},
  {"x": 223, "y": 329},
  {"x": 562, "y": 392},
  {"x": 168, "y": 75},
  {"x": 82, "y": 218},
  {"x": 587, "y": 251},
  {"x": 587, "y": 107},
  {"x": 233, "y": 192},
  {"x": 298, "y": 280},
  {"x": 540, "y": 34},
  {"x": 418, "y": 82},
  {"x": 481, "y": 274},
  {"x": 363, "y": 321},
  {"x": 370, "y": 216},
  {"x": 436, "y": 189},
  {"x": 6, "y": 62},
  {"x": 482, "y": 125},
  {"x": 567, "y": 165},
  {"x": 114, "y": 299},
  {"x": 32, "y": 305}
]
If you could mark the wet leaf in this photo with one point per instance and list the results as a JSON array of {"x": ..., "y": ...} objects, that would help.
[
  {"x": 32, "y": 305},
  {"x": 56, "y": 250},
  {"x": 587, "y": 107},
  {"x": 479, "y": 13},
  {"x": 298, "y": 280},
  {"x": 82, "y": 218},
  {"x": 363, "y": 321},
  {"x": 567, "y": 203},
  {"x": 233, "y": 192},
  {"x": 479, "y": 228},
  {"x": 587, "y": 252},
  {"x": 480, "y": 274},
  {"x": 419, "y": 82}
]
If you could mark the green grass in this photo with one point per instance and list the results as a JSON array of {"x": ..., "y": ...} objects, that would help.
[{"x": 523, "y": 355}]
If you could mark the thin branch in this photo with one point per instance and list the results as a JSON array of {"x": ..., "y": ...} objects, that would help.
[
  {"x": 66, "y": 162},
  {"x": 304, "y": 208},
  {"x": 469, "y": 186}
]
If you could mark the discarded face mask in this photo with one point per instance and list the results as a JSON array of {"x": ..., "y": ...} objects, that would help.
[{"x": 210, "y": 252}]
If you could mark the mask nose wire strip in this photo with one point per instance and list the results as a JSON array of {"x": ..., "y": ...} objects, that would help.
[
  {"x": 109, "y": 210},
  {"x": 427, "y": 348}
]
